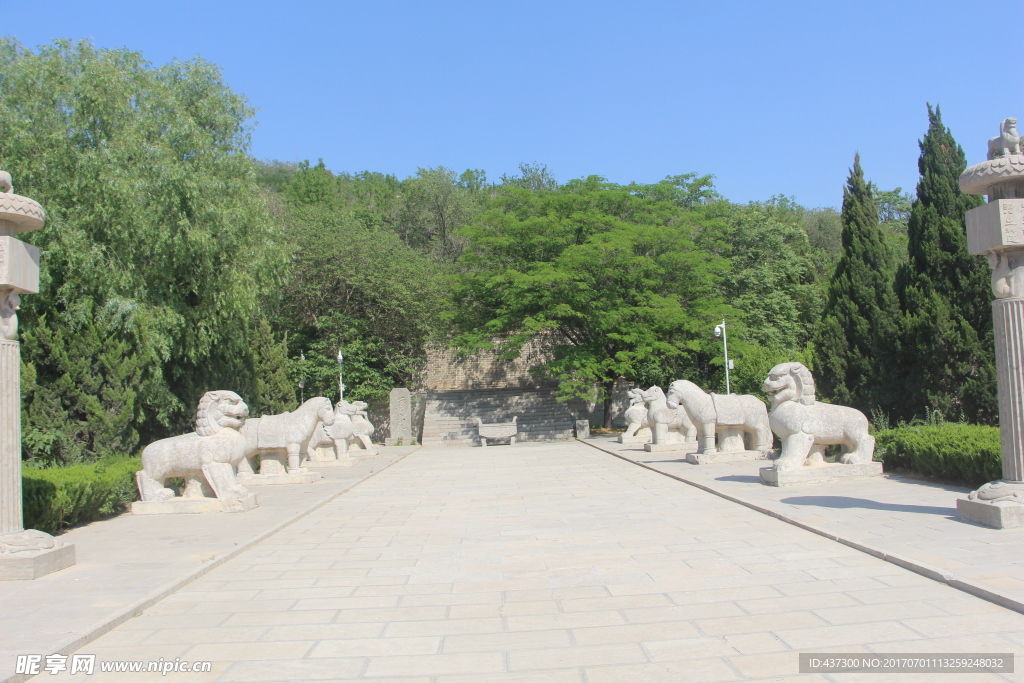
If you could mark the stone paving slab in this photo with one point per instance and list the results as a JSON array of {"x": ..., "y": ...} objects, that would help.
[
  {"x": 911, "y": 522},
  {"x": 545, "y": 562},
  {"x": 127, "y": 563}
]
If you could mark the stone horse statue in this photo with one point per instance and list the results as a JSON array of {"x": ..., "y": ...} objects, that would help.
[
  {"x": 273, "y": 436},
  {"x": 351, "y": 428},
  {"x": 205, "y": 458},
  {"x": 713, "y": 413}
]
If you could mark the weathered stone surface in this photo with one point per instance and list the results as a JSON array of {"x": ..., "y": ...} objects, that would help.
[
  {"x": 729, "y": 417},
  {"x": 582, "y": 429},
  {"x": 806, "y": 426},
  {"x": 205, "y": 458},
  {"x": 642, "y": 436},
  {"x": 998, "y": 515},
  {"x": 192, "y": 506},
  {"x": 725, "y": 456},
  {"x": 28, "y": 566},
  {"x": 401, "y": 418},
  {"x": 674, "y": 447},
  {"x": 287, "y": 433},
  {"x": 997, "y": 229},
  {"x": 25, "y": 554},
  {"x": 821, "y": 473},
  {"x": 669, "y": 424},
  {"x": 497, "y": 430},
  {"x": 300, "y": 476}
]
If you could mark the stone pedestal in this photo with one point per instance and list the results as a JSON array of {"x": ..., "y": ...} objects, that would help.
[
  {"x": 819, "y": 474},
  {"x": 996, "y": 229},
  {"x": 401, "y": 418},
  {"x": 194, "y": 506},
  {"x": 677, "y": 447},
  {"x": 582, "y": 429},
  {"x": 642, "y": 436},
  {"x": 725, "y": 456},
  {"x": 297, "y": 476}
]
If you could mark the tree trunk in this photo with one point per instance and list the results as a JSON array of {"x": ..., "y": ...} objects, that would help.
[{"x": 608, "y": 404}]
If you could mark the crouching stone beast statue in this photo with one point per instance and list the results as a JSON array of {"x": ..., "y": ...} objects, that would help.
[
  {"x": 205, "y": 458},
  {"x": 806, "y": 426}
]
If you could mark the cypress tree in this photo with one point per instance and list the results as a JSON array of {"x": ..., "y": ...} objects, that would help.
[
  {"x": 948, "y": 360},
  {"x": 273, "y": 390},
  {"x": 857, "y": 336}
]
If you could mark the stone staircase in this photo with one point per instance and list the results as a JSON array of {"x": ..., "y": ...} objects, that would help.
[{"x": 449, "y": 417}]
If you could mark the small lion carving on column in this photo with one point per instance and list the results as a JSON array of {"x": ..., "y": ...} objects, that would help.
[
  {"x": 1008, "y": 141},
  {"x": 205, "y": 458},
  {"x": 805, "y": 426}
]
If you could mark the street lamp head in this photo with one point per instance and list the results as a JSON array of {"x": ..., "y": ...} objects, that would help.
[
  {"x": 340, "y": 357},
  {"x": 718, "y": 330}
]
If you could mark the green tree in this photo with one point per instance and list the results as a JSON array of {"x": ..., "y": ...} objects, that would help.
[
  {"x": 157, "y": 240},
  {"x": 945, "y": 293},
  {"x": 599, "y": 271},
  {"x": 855, "y": 349},
  {"x": 273, "y": 389}
]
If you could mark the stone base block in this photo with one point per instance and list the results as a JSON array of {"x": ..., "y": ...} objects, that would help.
[
  {"x": 28, "y": 566},
  {"x": 1001, "y": 514},
  {"x": 400, "y": 441},
  {"x": 194, "y": 506},
  {"x": 636, "y": 438},
  {"x": 820, "y": 474},
  {"x": 678, "y": 447},
  {"x": 728, "y": 456},
  {"x": 317, "y": 464},
  {"x": 302, "y": 476}
]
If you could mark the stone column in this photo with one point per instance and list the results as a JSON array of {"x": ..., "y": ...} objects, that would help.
[
  {"x": 997, "y": 230},
  {"x": 24, "y": 554}
]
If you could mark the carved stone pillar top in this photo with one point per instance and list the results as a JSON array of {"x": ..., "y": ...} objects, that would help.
[{"x": 17, "y": 213}]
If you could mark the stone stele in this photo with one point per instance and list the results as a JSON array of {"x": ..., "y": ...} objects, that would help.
[
  {"x": 996, "y": 230},
  {"x": 401, "y": 418},
  {"x": 806, "y": 426},
  {"x": 24, "y": 553}
]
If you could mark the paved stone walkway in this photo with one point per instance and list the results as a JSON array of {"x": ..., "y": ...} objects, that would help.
[
  {"x": 546, "y": 562},
  {"x": 915, "y": 521}
]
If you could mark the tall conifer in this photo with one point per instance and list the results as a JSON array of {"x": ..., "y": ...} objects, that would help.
[
  {"x": 945, "y": 293},
  {"x": 858, "y": 333}
]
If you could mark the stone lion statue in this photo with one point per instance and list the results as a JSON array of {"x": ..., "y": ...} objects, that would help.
[
  {"x": 806, "y": 426},
  {"x": 205, "y": 458},
  {"x": 6, "y": 184},
  {"x": 1008, "y": 141}
]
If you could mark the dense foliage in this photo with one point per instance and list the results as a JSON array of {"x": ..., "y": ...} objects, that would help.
[
  {"x": 949, "y": 357},
  {"x": 175, "y": 263},
  {"x": 861, "y": 323},
  {"x": 962, "y": 453},
  {"x": 157, "y": 248},
  {"x": 61, "y": 497}
]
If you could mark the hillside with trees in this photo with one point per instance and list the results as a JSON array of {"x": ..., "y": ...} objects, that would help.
[{"x": 175, "y": 263}]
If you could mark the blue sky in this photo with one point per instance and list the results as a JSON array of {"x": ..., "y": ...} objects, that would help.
[{"x": 770, "y": 97}]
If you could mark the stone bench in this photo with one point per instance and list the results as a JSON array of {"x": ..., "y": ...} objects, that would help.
[{"x": 497, "y": 430}]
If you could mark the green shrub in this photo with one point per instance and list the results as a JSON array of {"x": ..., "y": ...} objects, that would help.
[
  {"x": 958, "y": 452},
  {"x": 62, "y": 497}
]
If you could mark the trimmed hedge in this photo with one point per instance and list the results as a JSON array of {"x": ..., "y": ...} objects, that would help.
[
  {"x": 968, "y": 453},
  {"x": 62, "y": 497}
]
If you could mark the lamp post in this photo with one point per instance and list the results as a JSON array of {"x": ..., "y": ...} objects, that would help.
[
  {"x": 720, "y": 332},
  {"x": 302, "y": 377},
  {"x": 341, "y": 383}
]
